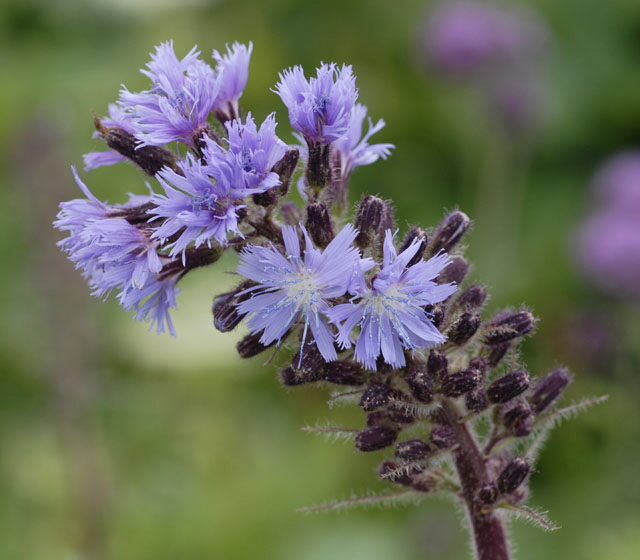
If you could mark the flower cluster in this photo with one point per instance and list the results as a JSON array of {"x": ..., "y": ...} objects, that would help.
[{"x": 356, "y": 303}]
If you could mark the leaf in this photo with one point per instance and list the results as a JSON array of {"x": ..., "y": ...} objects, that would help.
[
  {"x": 538, "y": 518},
  {"x": 332, "y": 433},
  {"x": 404, "y": 497}
]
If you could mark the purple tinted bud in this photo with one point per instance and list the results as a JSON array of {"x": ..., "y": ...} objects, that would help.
[
  {"x": 285, "y": 168},
  {"x": 442, "y": 437},
  {"x": 378, "y": 437},
  {"x": 509, "y": 386},
  {"x": 372, "y": 219},
  {"x": 513, "y": 475},
  {"x": 488, "y": 494},
  {"x": 393, "y": 471},
  {"x": 548, "y": 389},
  {"x": 292, "y": 377},
  {"x": 472, "y": 298},
  {"x": 476, "y": 400},
  {"x": 308, "y": 360},
  {"x": 449, "y": 232},
  {"x": 419, "y": 383},
  {"x": 438, "y": 314},
  {"x": 225, "y": 314},
  {"x": 251, "y": 346},
  {"x": 397, "y": 412},
  {"x": 463, "y": 328},
  {"x": 425, "y": 482},
  {"x": 290, "y": 213},
  {"x": 508, "y": 325},
  {"x": 412, "y": 450},
  {"x": 375, "y": 396},
  {"x": 518, "y": 419},
  {"x": 455, "y": 271},
  {"x": 319, "y": 224},
  {"x": 497, "y": 352},
  {"x": 437, "y": 364},
  {"x": 344, "y": 373},
  {"x": 458, "y": 383},
  {"x": 379, "y": 418},
  {"x": 416, "y": 233}
]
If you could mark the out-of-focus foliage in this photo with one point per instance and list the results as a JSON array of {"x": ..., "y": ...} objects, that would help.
[{"x": 117, "y": 443}]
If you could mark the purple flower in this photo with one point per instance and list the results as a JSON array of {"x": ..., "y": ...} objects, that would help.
[
  {"x": 319, "y": 108},
  {"x": 463, "y": 36},
  {"x": 177, "y": 106},
  {"x": 233, "y": 70},
  {"x": 296, "y": 287},
  {"x": 617, "y": 182},
  {"x": 353, "y": 149},
  {"x": 391, "y": 313}
]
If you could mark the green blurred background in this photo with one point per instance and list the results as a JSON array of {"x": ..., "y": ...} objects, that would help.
[{"x": 117, "y": 443}]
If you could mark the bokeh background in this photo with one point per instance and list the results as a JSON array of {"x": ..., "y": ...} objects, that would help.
[{"x": 117, "y": 443}]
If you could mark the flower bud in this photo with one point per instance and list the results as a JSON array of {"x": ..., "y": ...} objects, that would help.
[
  {"x": 343, "y": 373},
  {"x": 379, "y": 418},
  {"x": 377, "y": 437},
  {"x": 549, "y": 389},
  {"x": 459, "y": 382},
  {"x": 251, "y": 346},
  {"x": 290, "y": 213},
  {"x": 497, "y": 352},
  {"x": 393, "y": 471},
  {"x": 285, "y": 168},
  {"x": 398, "y": 413},
  {"x": 225, "y": 314},
  {"x": 438, "y": 313},
  {"x": 488, "y": 494},
  {"x": 508, "y": 325},
  {"x": 454, "y": 272},
  {"x": 372, "y": 219},
  {"x": 150, "y": 159},
  {"x": 472, "y": 298},
  {"x": 508, "y": 386},
  {"x": 292, "y": 377},
  {"x": 442, "y": 437},
  {"x": 267, "y": 198},
  {"x": 513, "y": 475},
  {"x": 419, "y": 383},
  {"x": 463, "y": 328},
  {"x": 412, "y": 450},
  {"x": 412, "y": 234},
  {"x": 518, "y": 419},
  {"x": 476, "y": 400},
  {"x": 318, "y": 170},
  {"x": 449, "y": 232},
  {"x": 375, "y": 396},
  {"x": 437, "y": 364},
  {"x": 319, "y": 224},
  {"x": 425, "y": 481},
  {"x": 308, "y": 360}
]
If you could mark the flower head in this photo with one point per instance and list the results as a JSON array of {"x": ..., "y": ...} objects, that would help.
[
  {"x": 296, "y": 286},
  {"x": 319, "y": 108},
  {"x": 233, "y": 71},
  {"x": 391, "y": 313}
]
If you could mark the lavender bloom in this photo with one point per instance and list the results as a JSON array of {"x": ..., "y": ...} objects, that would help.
[
  {"x": 176, "y": 108},
  {"x": 463, "y": 36},
  {"x": 233, "y": 70},
  {"x": 319, "y": 108},
  {"x": 391, "y": 314},
  {"x": 255, "y": 151},
  {"x": 295, "y": 286},
  {"x": 353, "y": 149},
  {"x": 617, "y": 182}
]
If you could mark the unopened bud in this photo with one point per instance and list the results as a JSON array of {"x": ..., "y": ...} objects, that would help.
[
  {"x": 518, "y": 419},
  {"x": 319, "y": 224},
  {"x": 413, "y": 235},
  {"x": 292, "y": 377},
  {"x": 548, "y": 389},
  {"x": 513, "y": 475},
  {"x": 318, "y": 170},
  {"x": 150, "y": 159},
  {"x": 449, "y": 232},
  {"x": 508, "y": 325},
  {"x": 454, "y": 272},
  {"x": 419, "y": 383},
  {"x": 285, "y": 168},
  {"x": 343, "y": 373},
  {"x": 412, "y": 450},
  {"x": 459, "y": 382},
  {"x": 393, "y": 471},
  {"x": 442, "y": 437},
  {"x": 437, "y": 364},
  {"x": 399, "y": 413},
  {"x": 509, "y": 386},
  {"x": 497, "y": 352},
  {"x": 438, "y": 314},
  {"x": 225, "y": 312},
  {"x": 476, "y": 400},
  {"x": 267, "y": 198},
  {"x": 290, "y": 213},
  {"x": 372, "y": 219},
  {"x": 488, "y": 494},
  {"x": 463, "y": 328},
  {"x": 425, "y": 481},
  {"x": 251, "y": 346},
  {"x": 375, "y": 396},
  {"x": 472, "y": 298},
  {"x": 308, "y": 360},
  {"x": 377, "y": 437}
]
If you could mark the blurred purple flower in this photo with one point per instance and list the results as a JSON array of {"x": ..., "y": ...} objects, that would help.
[
  {"x": 391, "y": 315},
  {"x": 617, "y": 182},
  {"x": 295, "y": 286},
  {"x": 319, "y": 108}
]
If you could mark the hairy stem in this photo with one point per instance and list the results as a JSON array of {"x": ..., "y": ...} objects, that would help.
[{"x": 488, "y": 531}]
